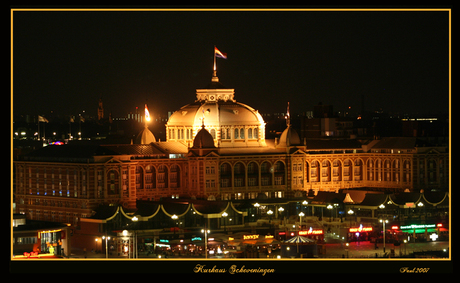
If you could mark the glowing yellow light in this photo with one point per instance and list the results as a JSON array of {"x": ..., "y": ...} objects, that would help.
[{"x": 147, "y": 114}]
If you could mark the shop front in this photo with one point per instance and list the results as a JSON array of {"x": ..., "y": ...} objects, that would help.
[
  {"x": 359, "y": 234},
  {"x": 423, "y": 232},
  {"x": 314, "y": 234}
]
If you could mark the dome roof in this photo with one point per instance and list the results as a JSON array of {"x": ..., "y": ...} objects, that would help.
[
  {"x": 203, "y": 139},
  {"x": 230, "y": 123},
  {"x": 289, "y": 137},
  {"x": 216, "y": 113},
  {"x": 145, "y": 137}
]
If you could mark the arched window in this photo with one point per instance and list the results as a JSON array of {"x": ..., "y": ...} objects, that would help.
[
  {"x": 236, "y": 134},
  {"x": 162, "y": 177},
  {"x": 250, "y": 133},
  {"x": 326, "y": 171},
  {"x": 242, "y": 133},
  {"x": 370, "y": 169},
  {"x": 225, "y": 175},
  {"x": 253, "y": 174},
  {"x": 222, "y": 134},
  {"x": 265, "y": 174},
  {"x": 213, "y": 133},
  {"x": 239, "y": 174},
  {"x": 256, "y": 133},
  {"x": 175, "y": 176},
  {"x": 279, "y": 173}
]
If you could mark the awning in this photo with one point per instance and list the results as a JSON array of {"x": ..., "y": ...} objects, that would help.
[{"x": 299, "y": 240}]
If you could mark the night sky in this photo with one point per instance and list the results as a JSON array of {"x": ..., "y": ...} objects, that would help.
[{"x": 65, "y": 61}]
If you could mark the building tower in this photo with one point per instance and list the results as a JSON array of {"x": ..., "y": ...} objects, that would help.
[
  {"x": 100, "y": 110},
  {"x": 230, "y": 123}
]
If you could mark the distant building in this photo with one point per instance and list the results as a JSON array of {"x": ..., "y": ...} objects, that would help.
[{"x": 100, "y": 110}]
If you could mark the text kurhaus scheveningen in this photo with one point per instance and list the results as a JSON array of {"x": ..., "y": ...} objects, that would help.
[{"x": 201, "y": 268}]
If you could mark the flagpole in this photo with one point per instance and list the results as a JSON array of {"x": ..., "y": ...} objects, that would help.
[
  {"x": 38, "y": 127},
  {"x": 215, "y": 73}
]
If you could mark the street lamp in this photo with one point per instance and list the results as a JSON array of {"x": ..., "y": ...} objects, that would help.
[
  {"x": 257, "y": 205},
  {"x": 175, "y": 217},
  {"x": 96, "y": 243},
  {"x": 350, "y": 212},
  {"x": 205, "y": 231},
  {"x": 106, "y": 249},
  {"x": 225, "y": 214},
  {"x": 346, "y": 248},
  {"x": 301, "y": 214},
  {"x": 270, "y": 212},
  {"x": 384, "y": 222},
  {"x": 330, "y": 209}
]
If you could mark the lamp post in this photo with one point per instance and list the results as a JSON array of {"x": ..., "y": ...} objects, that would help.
[
  {"x": 330, "y": 209},
  {"x": 225, "y": 214},
  {"x": 174, "y": 217},
  {"x": 305, "y": 203},
  {"x": 106, "y": 249},
  {"x": 301, "y": 214},
  {"x": 96, "y": 243},
  {"x": 270, "y": 213},
  {"x": 135, "y": 253},
  {"x": 350, "y": 212},
  {"x": 205, "y": 231},
  {"x": 384, "y": 222},
  {"x": 256, "y": 205}
]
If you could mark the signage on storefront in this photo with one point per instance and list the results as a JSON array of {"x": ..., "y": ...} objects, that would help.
[
  {"x": 418, "y": 226},
  {"x": 360, "y": 229},
  {"x": 311, "y": 232},
  {"x": 28, "y": 255},
  {"x": 196, "y": 239},
  {"x": 250, "y": 237}
]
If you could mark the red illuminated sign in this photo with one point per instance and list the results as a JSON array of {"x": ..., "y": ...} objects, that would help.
[
  {"x": 28, "y": 255},
  {"x": 394, "y": 227},
  {"x": 360, "y": 229},
  {"x": 311, "y": 232}
]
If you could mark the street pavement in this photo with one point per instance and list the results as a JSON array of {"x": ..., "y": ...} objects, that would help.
[{"x": 367, "y": 249}]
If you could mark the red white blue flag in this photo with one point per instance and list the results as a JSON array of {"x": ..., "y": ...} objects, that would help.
[{"x": 219, "y": 54}]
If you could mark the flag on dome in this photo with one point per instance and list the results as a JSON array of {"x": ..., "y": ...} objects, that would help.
[{"x": 219, "y": 54}]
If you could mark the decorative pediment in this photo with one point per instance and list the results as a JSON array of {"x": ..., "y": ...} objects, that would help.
[{"x": 433, "y": 151}]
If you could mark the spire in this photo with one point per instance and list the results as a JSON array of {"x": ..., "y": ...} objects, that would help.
[{"x": 288, "y": 116}]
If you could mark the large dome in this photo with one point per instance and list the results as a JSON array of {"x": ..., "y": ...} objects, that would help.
[
  {"x": 220, "y": 112},
  {"x": 230, "y": 123}
]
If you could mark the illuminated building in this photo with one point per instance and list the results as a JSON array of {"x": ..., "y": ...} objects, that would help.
[
  {"x": 33, "y": 239},
  {"x": 216, "y": 150},
  {"x": 231, "y": 123}
]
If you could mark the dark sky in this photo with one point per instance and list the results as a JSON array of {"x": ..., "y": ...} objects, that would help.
[{"x": 65, "y": 61}]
